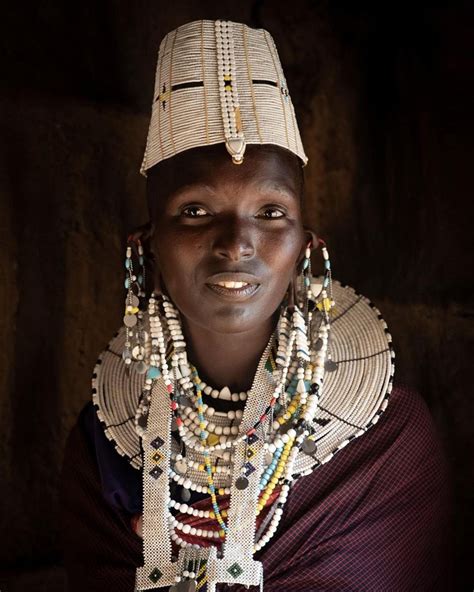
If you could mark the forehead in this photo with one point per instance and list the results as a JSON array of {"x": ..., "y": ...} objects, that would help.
[{"x": 267, "y": 167}]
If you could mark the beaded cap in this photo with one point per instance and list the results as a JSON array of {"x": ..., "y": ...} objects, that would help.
[{"x": 219, "y": 82}]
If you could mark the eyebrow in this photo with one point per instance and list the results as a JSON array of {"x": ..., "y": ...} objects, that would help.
[
  {"x": 265, "y": 185},
  {"x": 193, "y": 187},
  {"x": 277, "y": 186}
]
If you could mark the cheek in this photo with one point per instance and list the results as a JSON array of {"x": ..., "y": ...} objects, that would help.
[
  {"x": 282, "y": 254},
  {"x": 178, "y": 254}
]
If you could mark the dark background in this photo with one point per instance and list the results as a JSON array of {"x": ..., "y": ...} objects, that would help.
[{"x": 381, "y": 95}]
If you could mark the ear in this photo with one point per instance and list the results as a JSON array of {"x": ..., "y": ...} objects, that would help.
[
  {"x": 145, "y": 233},
  {"x": 311, "y": 240}
]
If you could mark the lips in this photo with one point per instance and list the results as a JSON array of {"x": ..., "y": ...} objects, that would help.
[{"x": 233, "y": 284}]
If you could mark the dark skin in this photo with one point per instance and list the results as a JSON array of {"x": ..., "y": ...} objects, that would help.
[{"x": 217, "y": 222}]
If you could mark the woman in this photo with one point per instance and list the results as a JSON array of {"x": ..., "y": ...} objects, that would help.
[{"x": 228, "y": 439}]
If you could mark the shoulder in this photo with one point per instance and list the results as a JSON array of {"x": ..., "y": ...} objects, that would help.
[
  {"x": 402, "y": 453},
  {"x": 408, "y": 421}
]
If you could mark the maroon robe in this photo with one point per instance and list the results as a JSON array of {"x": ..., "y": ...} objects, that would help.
[{"x": 376, "y": 517}]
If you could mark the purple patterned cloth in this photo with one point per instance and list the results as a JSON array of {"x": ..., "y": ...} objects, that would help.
[{"x": 376, "y": 517}]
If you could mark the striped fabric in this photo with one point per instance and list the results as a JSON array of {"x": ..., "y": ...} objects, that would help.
[{"x": 375, "y": 518}]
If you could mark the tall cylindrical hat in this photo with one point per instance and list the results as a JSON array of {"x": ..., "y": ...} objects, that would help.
[{"x": 219, "y": 82}]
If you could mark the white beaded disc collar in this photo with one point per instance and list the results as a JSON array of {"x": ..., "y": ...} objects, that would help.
[{"x": 355, "y": 392}]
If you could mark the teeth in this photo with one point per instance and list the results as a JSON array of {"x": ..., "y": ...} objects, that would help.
[{"x": 232, "y": 284}]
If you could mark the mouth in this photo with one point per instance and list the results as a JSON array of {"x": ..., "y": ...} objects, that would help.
[{"x": 234, "y": 285}]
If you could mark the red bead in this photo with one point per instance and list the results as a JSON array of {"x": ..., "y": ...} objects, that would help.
[
  {"x": 174, "y": 405},
  {"x": 262, "y": 418},
  {"x": 179, "y": 421},
  {"x": 170, "y": 388},
  {"x": 250, "y": 432}
]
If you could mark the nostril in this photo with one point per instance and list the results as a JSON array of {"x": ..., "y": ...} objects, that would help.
[{"x": 234, "y": 250}]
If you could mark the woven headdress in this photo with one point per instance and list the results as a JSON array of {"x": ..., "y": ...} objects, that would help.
[{"x": 219, "y": 81}]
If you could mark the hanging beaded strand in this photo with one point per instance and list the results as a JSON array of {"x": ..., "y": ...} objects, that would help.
[
  {"x": 300, "y": 373},
  {"x": 134, "y": 349}
]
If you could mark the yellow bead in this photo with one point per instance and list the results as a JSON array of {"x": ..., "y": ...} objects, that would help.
[
  {"x": 222, "y": 533},
  {"x": 201, "y": 467},
  {"x": 221, "y": 491},
  {"x": 212, "y": 514},
  {"x": 280, "y": 420},
  {"x": 212, "y": 439}
]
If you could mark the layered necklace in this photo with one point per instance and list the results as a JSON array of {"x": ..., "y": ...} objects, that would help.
[{"x": 242, "y": 459}]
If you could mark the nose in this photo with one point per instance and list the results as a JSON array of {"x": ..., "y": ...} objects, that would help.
[{"x": 234, "y": 240}]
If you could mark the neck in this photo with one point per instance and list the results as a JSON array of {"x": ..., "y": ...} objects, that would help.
[{"x": 227, "y": 359}]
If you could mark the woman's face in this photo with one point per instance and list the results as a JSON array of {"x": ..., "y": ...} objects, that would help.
[{"x": 228, "y": 237}]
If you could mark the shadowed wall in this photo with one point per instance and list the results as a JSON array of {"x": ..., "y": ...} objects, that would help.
[{"x": 381, "y": 103}]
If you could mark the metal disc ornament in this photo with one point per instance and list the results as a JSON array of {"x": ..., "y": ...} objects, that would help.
[
  {"x": 185, "y": 495},
  {"x": 318, "y": 344},
  {"x": 309, "y": 446},
  {"x": 134, "y": 300},
  {"x": 268, "y": 459},
  {"x": 330, "y": 366},
  {"x": 242, "y": 482},
  {"x": 141, "y": 367},
  {"x": 130, "y": 320}
]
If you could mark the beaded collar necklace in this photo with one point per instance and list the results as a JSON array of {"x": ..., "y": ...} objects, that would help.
[
  {"x": 258, "y": 454},
  {"x": 281, "y": 434}
]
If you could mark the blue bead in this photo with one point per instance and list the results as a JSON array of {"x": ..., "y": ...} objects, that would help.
[
  {"x": 140, "y": 280},
  {"x": 140, "y": 259},
  {"x": 153, "y": 372},
  {"x": 127, "y": 263},
  {"x": 327, "y": 265},
  {"x": 127, "y": 283},
  {"x": 306, "y": 264},
  {"x": 307, "y": 282}
]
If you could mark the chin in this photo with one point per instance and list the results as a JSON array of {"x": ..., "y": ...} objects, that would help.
[{"x": 231, "y": 319}]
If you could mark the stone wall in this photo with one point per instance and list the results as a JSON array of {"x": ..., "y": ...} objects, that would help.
[{"x": 380, "y": 98}]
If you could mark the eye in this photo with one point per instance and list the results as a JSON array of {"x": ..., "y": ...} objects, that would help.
[
  {"x": 194, "y": 212},
  {"x": 271, "y": 213}
]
